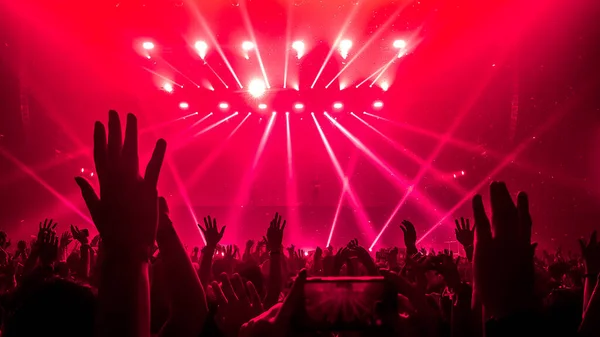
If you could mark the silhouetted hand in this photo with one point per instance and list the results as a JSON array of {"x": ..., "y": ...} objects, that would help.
[
  {"x": 410, "y": 233},
  {"x": 238, "y": 303},
  {"x": 274, "y": 236},
  {"x": 126, "y": 213},
  {"x": 48, "y": 248},
  {"x": 277, "y": 321},
  {"x": 249, "y": 244},
  {"x": 465, "y": 235},
  {"x": 65, "y": 239},
  {"x": 503, "y": 263},
  {"x": 211, "y": 233},
  {"x": 46, "y": 227},
  {"x": 80, "y": 235},
  {"x": 318, "y": 253},
  {"x": 591, "y": 254},
  {"x": 291, "y": 251}
]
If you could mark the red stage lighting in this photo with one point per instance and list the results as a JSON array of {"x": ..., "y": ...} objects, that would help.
[
  {"x": 298, "y": 106},
  {"x": 338, "y": 105},
  {"x": 247, "y": 46},
  {"x": 257, "y": 88},
  {"x": 262, "y": 106},
  {"x": 148, "y": 45},
  {"x": 223, "y": 106},
  {"x": 399, "y": 44},
  {"x": 168, "y": 87},
  {"x": 201, "y": 48},
  {"x": 184, "y": 105},
  {"x": 298, "y": 46},
  {"x": 344, "y": 48},
  {"x": 378, "y": 104}
]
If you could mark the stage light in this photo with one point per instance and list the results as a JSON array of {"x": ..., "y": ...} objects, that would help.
[
  {"x": 399, "y": 44},
  {"x": 148, "y": 45},
  {"x": 298, "y": 106},
  {"x": 201, "y": 48},
  {"x": 257, "y": 88},
  {"x": 337, "y": 105},
  {"x": 262, "y": 106},
  {"x": 378, "y": 104},
  {"x": 344, "y": 48},
  {"x": 168, "y": 87},
  {"x": 298, "y": 46},
  {"x": 384, "y": 86},
  {"x": 82, "y": 170},
  {"x": 247, "y": 46},
  {"x": 223, "y": 105},
  {"x": 184, "y": 105}
]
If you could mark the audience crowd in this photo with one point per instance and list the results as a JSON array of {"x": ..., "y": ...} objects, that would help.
[{"x": 136, "y": 278}]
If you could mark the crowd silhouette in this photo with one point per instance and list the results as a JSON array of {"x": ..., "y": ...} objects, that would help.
[{"x": 136, "y": 278}]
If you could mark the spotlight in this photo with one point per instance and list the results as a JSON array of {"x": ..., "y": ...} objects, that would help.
[
  {"x": 384, "y": 86},
  {"x": 148, "y": 45},
  {"x": 184, "y": 105},
  {"x": 262, "y": 106},
  {"x": 298, "y": 46},
  {"x": 247, "y": 46},
  {"x": 337, "y": 105},
  {"x": 305, "y": 253},
  {"x": 298, "y": 106},
  {"x": 378, "y": 104},
  {"x": 223, "y": 106},
  {"x": 399, "y": 44},
  {"x": 168, "y": 87},
  {"x": 82, "y": 170},
  {"x": 344, "y": 48},
  {"x": 201, "y": 48},
  {"x": 256, "y": 88}
]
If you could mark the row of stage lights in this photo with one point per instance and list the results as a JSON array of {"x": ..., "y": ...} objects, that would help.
[
  {"x": 298, "y": 106},
  {"x": 343, "y": 47}
]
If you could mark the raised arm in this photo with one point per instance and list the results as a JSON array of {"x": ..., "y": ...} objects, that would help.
[
  {"x": 126, "y": 216},
  {"x": 212, "y": 235},
  {"x": 410, "y": 237},
  {"x": 465, "y": 235},
  {"x": 186, "y": 295},
  {"x": 590, "y": 252},
  {"x": 274, "y": 239}
]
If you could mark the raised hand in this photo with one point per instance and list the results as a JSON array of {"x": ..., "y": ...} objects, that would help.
[
  {"x": 126, "y": 212},
  {"x": 503, "y": 262},
  {"x": 211, "y": 233},
  {"x": 238, "y": 303},
  {"x": 410, "y": 237},
  {"x": 80, "y": 235},
  {"x": 274, "y": 236},
  {"x": 249, "y": 244},
  {"x": 465, "y": 235},
  {"x": 48, "y": 248},
  {"x": 590, "y": 252},
  {"x": 46, "y": 227}
]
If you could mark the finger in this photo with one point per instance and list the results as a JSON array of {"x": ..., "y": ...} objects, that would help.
[
  {"x": 238, "y": 287},
  {"x": 222, "y": 231},
  {"x": 469, "y": 225},
  {"x": 283, "y": 226},
  {"x": 155, "y": 163},
  {"x": 54, "y": 226},
  {"x": 482, "y": 223},
  {"x": 294, "y": 299},
  {"x": 504, "y": 212},
  {"x": 100, "y": 152},
  {"x": 462, "y": 223},
  {"x": 130, "y": 146},
  {"x": 254, "y": 297},
  {"x": 115, "y": 136},
  {"x": 221, "y": 299},
  {"x": 90, "y": 197},
  {"x": 524, "y": 216},
  {"x": 457, "y": 224},
  {"x": 163, "y": 207},
  {"x": 227, "y": 287}
]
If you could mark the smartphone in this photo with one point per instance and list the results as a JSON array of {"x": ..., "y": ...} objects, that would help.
[{"x": 345, "y": 303}]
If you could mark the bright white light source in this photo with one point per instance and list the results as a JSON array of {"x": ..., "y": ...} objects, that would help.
[
  {"x": 378, "y": 104},
  {"x": 247, "y": 45},
  {"x": 344, "y": 48},
  {"x": 82, "y": 170},
  {"x": 298, "y": 46},
  {"x": 168, "y": 87},
  {"x": 257, "y": 88},
  {"x": 262, "y": 106},
  {"x": 184, "y": 105},
  {"x": 201, "y": 48},
  {"x": 305, "y": 253},
  {"x": 223, "y": 105},
  {"x": 298, "y": 106},
  {"x": 337, "y": 105},
  {"x": 384, "y": 86},
  {"x": 399, "y": 44},
  {"x": 148, "y": 45}
]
